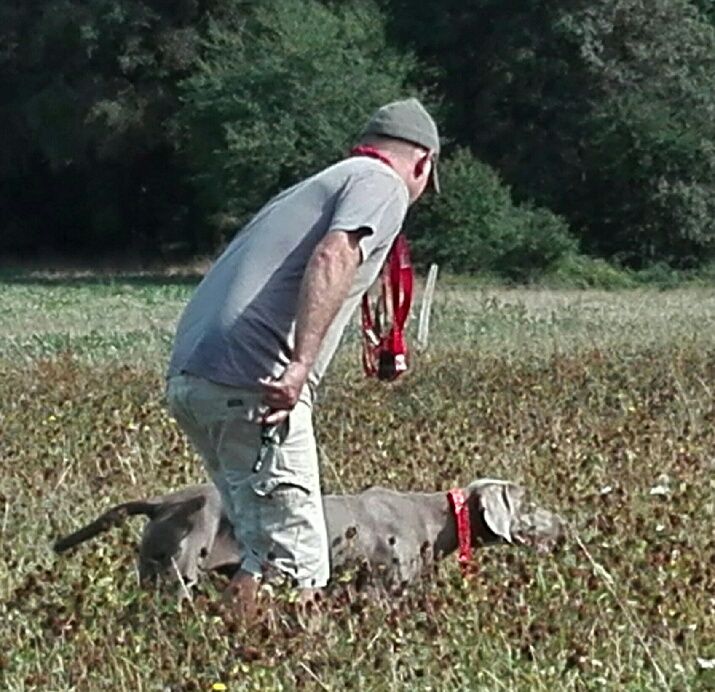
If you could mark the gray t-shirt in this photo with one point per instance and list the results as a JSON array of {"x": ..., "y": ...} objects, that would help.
[{"x": 239, "y": 325}]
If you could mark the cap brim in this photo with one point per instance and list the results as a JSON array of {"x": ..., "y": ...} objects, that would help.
[{"x": 434, "y": 177}]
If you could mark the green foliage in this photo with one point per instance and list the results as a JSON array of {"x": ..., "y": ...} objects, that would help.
[
  {"x": 475, "y": 227},
  {"x": 651, "y": 153},
  {"x": 580, "y": 271},
  {"x": 707, "y": 7},
  {"x": 86, "y": 162},
  {"x": 601, "y": 111},
  {"x": 282, "y": 97},
  {"x": 143, "y": 126}
]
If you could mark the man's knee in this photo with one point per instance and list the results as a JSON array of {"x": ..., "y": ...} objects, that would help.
[{"x": 289, "y": 537}]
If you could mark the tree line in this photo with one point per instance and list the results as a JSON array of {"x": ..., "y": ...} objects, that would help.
[{"x": 577, "y": 127}]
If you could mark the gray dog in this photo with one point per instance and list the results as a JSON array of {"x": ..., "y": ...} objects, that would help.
[{"x": 397, "y": 533}]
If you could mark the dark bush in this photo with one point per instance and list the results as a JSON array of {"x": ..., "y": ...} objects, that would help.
[
  {"x": 599, "y": 110},
  {"x": 474, "y": 226}
]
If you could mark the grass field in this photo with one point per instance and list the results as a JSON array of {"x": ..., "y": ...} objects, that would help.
[{"x": 602, "y": 403}]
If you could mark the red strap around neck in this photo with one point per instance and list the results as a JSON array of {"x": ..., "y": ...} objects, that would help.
[
  {"x": 382, "y": 345},
  {"x": 460, "y": 508},
  {"x": 365, "y": 150}
]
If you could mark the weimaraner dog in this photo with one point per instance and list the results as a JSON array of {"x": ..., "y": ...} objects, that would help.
[{"x": 396, "y": 533}]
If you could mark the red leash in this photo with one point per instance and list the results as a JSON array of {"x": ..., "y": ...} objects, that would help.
[
  {"x": 384, "y": 352},
  {"x": 464, "y": 532}
]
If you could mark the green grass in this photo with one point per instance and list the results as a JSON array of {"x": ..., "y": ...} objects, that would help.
[{"x": 590, "y": 398}]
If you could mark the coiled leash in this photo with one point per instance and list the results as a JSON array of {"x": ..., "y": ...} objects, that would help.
[{"x": 384, "y": 349}]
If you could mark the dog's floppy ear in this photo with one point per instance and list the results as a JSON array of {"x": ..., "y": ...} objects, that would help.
[
  {"x": 505, "y": 510},
  {"x": 163, "y": 538},
  {"x": 113, "y": 517},
  {"x": 496, "y": 501}
]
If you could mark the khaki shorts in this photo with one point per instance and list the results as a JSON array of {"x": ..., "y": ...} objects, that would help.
[{"x": 268, "y": 477}]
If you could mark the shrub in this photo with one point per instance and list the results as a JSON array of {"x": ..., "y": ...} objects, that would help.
[
  {"x": 599, "y": 110},
  {"x": 475, "y": 227},
  {"x": 580, "y": 271}
]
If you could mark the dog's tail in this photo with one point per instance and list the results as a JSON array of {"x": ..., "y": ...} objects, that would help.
[{"x": 106, "y": 521}]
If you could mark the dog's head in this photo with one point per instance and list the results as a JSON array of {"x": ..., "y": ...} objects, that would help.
[{"x": 502, "y": 511}]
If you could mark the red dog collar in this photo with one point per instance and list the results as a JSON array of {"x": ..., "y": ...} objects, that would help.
[{"x": 460, "y": 508}]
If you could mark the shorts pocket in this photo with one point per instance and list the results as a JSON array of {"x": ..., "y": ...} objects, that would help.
[
  {"x": 271, "y": 472},
  {"x": 236, "y": 437},
  {"x": 286, "y": 542}
]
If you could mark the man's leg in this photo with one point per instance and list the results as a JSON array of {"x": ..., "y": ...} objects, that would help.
[
  {"x": 280, "y": 510},
  {"x": 204, "y": 411},
  {"x": 270, "y": 488}
]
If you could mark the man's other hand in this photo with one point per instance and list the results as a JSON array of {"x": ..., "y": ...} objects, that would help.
[{"x": 282, "y": 395}]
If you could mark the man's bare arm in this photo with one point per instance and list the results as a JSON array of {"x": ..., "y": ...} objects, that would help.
[
  {"x": 325, "y": 286},
  {"x": 328, "y": 277}
]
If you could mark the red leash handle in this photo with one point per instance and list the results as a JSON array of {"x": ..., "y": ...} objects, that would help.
[
  {"x": 460, "y": 507},
  {"x": 384, "y": 352},
  {"x": 402, "y": 279},
  {"x": 401, "y": 284}
]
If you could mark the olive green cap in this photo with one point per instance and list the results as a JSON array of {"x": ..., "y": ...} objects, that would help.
[{"x": 408, "y": 120}]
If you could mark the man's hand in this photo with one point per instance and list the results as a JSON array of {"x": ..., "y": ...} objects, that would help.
[{"x": 282, "y": 395}]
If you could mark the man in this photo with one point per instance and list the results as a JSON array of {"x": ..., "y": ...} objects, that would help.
[{"x": 261, "y": 328}]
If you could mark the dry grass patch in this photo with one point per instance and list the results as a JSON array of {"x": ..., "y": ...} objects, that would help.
[{"x": 576, "y": 395}]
